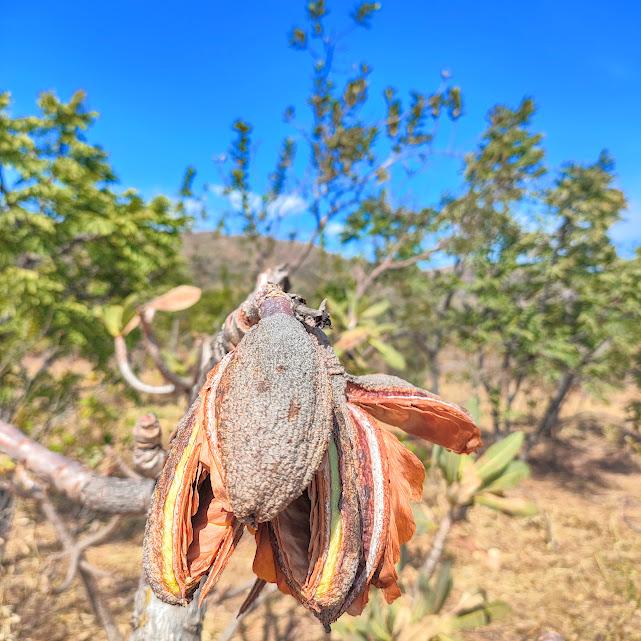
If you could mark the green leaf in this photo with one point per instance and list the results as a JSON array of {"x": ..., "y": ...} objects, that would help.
[
  {"x": 464, "y": 462},
  {"x": 442, "y": 587},
  {"x": 129, "y": 306},
  {"x": 497, "y": 456},
  {"x": 449, "y": 463},
  {"x": 375, "y": 310},
  {"x": 482, "y": 615},
  {"x": 511, "y": 476},
  {"x": 507, "y": 505},
  {"x": 112, "y": 319},
  {"x": 389, "y": 353},
  {"x": 422, "y": 520}
]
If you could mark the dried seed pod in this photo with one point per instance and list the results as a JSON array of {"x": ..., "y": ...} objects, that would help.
[
  {"x": 282, "y": 439},
  {"x": 273, "y": 417}
]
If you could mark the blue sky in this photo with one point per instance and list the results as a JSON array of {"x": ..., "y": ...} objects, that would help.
[{"x": 170, "y": 78}]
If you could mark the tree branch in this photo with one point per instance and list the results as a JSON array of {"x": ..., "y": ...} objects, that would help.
[
  {"x": 122, "y": 359},
  {"x": 389, "y": 263},
  {"x": 151, "y": 345},
  {"x": 100, "y": 493}
]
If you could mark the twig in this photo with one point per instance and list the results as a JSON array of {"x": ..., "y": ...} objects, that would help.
[
  {"x": 389, "y": 263},
  {"x": 102, "y": 612},
  {"x": 228, "y": 633},
  {"x": 120, "y": 464},
  {"x": 626, "y": 519},
  {"x": 233, "y": 592},
  {"x": 78, "y": 549},
  {"x": 151, "y": 345},
  {"x": 122, "y": 358},
  {"x": 438, "y": 545}
]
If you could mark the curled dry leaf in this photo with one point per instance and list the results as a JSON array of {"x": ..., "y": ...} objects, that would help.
[
  {"x": 282, "y": 441},
  {"x": 175, "y": 300}
]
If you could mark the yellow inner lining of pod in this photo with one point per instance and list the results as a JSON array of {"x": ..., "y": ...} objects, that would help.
[
  {"x": 169, "y": 578},
  {"x": 336, "y": 525}
]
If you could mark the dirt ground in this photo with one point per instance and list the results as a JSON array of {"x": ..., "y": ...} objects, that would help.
[{"x": 574, "y": 568}]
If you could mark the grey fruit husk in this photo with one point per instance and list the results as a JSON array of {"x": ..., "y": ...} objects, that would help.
[{"x": 274, "y": 417}]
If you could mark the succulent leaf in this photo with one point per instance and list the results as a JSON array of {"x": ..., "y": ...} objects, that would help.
[
  {"x": 497, "y": 456},
  {"x": 512, "y": 475},
  {"x": 511, "y": 506}
]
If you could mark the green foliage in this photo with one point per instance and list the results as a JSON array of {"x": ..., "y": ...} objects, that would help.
[
  {"x": 485, "y": 480},
  {"x": 362, "y": 330},
  {"x": 536, "y": 295},
  {"x": 424, "y": 618},
  {"x": 547, "y": 299},
  {"x": 70, "y": 242}
]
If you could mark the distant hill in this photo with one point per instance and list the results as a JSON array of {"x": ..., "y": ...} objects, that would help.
[{"x": 212, "y": 257}]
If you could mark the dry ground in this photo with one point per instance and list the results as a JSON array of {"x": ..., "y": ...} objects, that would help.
[{"x": 574, "y": 568}]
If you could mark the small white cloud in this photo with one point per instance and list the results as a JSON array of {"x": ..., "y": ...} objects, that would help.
[
  {"x": 235, "y": 198},
  {"x": 287, "y": 205},
  {"x": 334, "y": 228},
  {"x": 284, "y": 205},
  {"x": 192, "y": 207}
]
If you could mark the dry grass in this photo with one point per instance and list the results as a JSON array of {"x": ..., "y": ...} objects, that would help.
[{"x": 574, "y": 568}]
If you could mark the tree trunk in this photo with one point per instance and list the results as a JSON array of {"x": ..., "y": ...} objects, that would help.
[
  {"x": 551, "y": 415},
  {"x": 154, "y": 620},
  {"x": 435, "y": 371}
]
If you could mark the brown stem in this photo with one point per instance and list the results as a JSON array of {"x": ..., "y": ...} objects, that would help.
[
  {"x": 438, "y": 545},
  {"x": 102, "y": 612},
  {"x": 151, "y": 345},
  {"x": 76, "y": 551},
  {"x": 389, "y": 263}
]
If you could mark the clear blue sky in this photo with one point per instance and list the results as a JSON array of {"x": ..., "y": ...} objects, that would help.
[{"x": 169, "y": 78}]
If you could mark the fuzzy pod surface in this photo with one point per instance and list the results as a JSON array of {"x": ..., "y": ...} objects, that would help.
[{"x": 273, "y": 417}]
